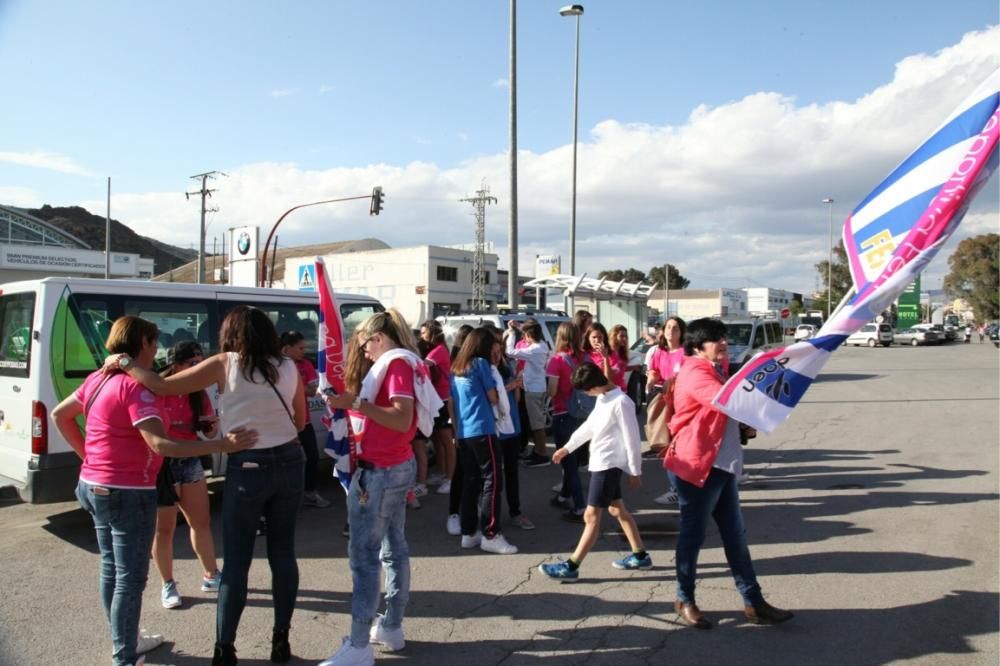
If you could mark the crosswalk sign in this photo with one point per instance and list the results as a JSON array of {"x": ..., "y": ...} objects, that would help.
[{"x": 307, "y": 277}]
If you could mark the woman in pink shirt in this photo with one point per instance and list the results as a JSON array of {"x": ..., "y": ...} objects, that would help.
[
  {"x": 432, "y": 336},
  {"x": 122, "y": 449},
  {"x": 664, "y": 365},
  {"x": 597, "y": 349},
  {"x": 293, "y": 346}
]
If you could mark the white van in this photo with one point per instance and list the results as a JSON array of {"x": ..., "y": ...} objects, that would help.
[
  {"x": 52, "y": 334},
  {"x": 549, "y": 319},
  {"x": 749, "y": 337}
]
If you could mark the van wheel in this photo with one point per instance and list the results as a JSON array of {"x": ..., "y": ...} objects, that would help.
[
  {"x": 914, "y": 342},
  {"x": 871, "y": 342}
]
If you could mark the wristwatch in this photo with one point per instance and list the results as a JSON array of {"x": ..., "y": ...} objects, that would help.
[{"x": 123, "y": 362}]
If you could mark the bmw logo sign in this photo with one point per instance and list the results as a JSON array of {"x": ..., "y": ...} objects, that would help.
[{"x": 243, "y": 242}]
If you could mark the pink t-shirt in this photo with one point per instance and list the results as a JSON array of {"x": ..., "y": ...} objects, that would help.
[
  {"x": 307, "y": 371},
  {"x": 115, "y": 454},
  {"x": 667, "y": 363},
  {"x": 180, "y": 417},
  {"x": 381, "y": 446},
  {"x": 617, "y": 367},
  {"x": 442, "y": 380},
  {"x": 559, "y": 368}
]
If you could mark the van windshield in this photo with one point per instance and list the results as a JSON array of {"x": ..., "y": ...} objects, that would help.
[{"x": 739, "y": 334}]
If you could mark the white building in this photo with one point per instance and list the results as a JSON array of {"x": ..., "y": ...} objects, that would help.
[
  {"x": 766, "y": 299},
  {"x": 421, "y": 282},
  {"x": 31, "y": 248},
  {"x": 691, "y": 304}
]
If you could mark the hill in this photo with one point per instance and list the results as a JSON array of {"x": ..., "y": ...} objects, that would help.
[{"x": 90, "y": 229}]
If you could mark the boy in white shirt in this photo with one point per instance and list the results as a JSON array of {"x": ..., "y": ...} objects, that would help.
[
  {"x": 534, "y": 352},
  {"x": 615, "y": 449}
]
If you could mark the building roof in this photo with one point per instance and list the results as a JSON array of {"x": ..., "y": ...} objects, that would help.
[
  {"x": 43, "y": 228},
  {"x": 685, "y": 294},
  {"x": 189, "y": 272}
]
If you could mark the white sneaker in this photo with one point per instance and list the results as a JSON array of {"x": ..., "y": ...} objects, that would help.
[
  {"x": 169, "y": 596},
  {"x": 472, "y": 540},
  {"x": 444, "y": 488},
  {"x": 420, "y": 489},
  {"x": 667, "y": 498},
  {"x": 744, "y": 478},
  {"x": 315, "y": 499},
  {"x": 390, "y": 639},
  {"x": 147, "y": 642},
  {"x": 558, "y": 487},
  {"x": 411, "y": 500},
  {"x": 348, "y": 655},
  {"x": 454, "y": 525},
  {"x": 435, "y": 479},
  {"x": 498, "y": 545}
]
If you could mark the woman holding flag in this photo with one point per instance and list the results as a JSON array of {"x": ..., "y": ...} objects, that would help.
[
  {"x": 389, "y": 393},
  {"x": 704, "y": 461}
]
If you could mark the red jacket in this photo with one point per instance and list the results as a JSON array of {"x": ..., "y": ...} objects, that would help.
[{"x": 696, "y": 427}]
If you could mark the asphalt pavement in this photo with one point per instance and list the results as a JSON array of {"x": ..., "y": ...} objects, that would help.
[{"x": 872, "y": 513}]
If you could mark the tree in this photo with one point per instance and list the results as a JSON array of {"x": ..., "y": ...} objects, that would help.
[
  {"x": 975, "y": 273},
  {"x": 796, "y": 307},
  {"x": 630, "y": 275},
  {"x": 677, "y": 281},
  {"x": 842, "y": 281}
]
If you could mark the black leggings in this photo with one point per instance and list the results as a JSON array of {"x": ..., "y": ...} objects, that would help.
[
  {"x": 511, "y": 452},
  {"x": 308, "y": 439}
]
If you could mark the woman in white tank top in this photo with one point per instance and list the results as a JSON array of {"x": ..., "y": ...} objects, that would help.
[{"x": 261, "y": 390}]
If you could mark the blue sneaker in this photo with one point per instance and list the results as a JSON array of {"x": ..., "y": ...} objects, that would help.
[
  {"x": 559, "y": 571},
  {"x": 211, "y": 583},
  {"x": 632, "y": 562},
  {"x": 169, "y": 596}
]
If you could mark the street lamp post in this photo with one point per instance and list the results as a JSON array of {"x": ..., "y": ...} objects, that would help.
[
  {"x": 829, "y": 263},
  {"x": 577, "y": 11}
]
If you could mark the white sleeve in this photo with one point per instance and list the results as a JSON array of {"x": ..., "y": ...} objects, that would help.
[
  {"x": 583, "y": 434},
  {"x": 630, "y": 437}
]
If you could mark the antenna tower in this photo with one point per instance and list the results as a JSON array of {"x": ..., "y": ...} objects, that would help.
[{"x": 479, "y": 256}]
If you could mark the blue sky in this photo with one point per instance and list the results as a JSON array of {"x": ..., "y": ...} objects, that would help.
[{"x": 312, "y": 100}]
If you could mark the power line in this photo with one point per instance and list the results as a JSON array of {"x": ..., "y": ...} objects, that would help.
[{"x": 204, "y": 192}]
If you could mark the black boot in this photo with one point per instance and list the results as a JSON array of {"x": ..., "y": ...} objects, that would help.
[
  {"x": 281, "y": 651},
  {"x": 225, "y": 655}
]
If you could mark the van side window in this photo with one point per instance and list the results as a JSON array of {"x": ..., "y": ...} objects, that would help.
[
  {"x": 178, "y": 319},
  {"x": 774, "y": 332},
  {"x": 82, "y": 324},
  {"x": 288, "y": 317},
  {"x": 758, "y": 337},
  {"x": 353, "y": 314},
  {"x": 16, "y": 314}
]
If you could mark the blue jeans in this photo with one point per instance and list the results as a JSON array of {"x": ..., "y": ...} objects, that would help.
[
  {"x": 719, "y": 499},
  {"x": 125, "y": 521},
  {"x": 260, "y": 482},
  {"x": 564, "y": 425},
  {"x": 376, "y": 507}
]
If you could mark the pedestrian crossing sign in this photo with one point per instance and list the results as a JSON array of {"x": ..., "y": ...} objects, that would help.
[{"x": 307, "y": 277}]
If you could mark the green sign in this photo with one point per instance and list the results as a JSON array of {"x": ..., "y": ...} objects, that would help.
[{"x": 908, "y": 306}]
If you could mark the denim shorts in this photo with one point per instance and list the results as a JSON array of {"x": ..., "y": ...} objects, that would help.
[{"x": 187, "y": 470}]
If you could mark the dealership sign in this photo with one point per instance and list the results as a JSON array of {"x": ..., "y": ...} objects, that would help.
[{"x": 60, "y": 260}]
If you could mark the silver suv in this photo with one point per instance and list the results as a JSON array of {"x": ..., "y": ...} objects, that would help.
[{"x": 749, "y": 337}]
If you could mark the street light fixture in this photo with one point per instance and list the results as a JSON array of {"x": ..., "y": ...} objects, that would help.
[
  {"x": 829, "y": 263},
  {"x": 577, "y": 11}
]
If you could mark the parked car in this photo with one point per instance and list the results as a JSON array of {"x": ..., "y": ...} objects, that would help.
[
  {"x": 549, "y": 319},
  {"x": 939, "y": 331},
  {"x": 871, "y": 335},
  {"x": 805, "y": 331},
  {"x": 916, "y": 336},
  {"x": 748, "y": 337}
]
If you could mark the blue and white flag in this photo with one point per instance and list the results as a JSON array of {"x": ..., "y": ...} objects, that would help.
[{"x": 890, "y": 238}]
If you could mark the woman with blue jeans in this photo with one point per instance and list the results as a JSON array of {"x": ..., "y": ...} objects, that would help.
[
  {"x": 384, "y": 380},
  {"x": 122, "y": 450},
  {"x": 704, "y": 461},
  {"x": 261, "y": 390}
]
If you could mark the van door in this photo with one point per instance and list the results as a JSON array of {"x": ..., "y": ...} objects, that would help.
[{"x": 17, "y": 312}]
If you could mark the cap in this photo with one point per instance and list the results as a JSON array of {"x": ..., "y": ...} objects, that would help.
[{"x": 183, "y": 351}]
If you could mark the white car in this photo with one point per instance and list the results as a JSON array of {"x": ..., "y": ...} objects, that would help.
[
  {"x": 805, "y": 331},
  {"x": 871, "y": 335}
]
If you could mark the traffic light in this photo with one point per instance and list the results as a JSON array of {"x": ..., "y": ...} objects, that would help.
[{"x": 377, "y": 200}]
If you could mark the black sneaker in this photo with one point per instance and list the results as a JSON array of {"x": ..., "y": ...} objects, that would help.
[
  {"x": 535, "y": 460},
  {"x": 560, "y": 502},
  {"x": 573, "y": 517}
]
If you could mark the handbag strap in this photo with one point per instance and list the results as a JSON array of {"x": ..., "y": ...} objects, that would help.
[
  {"x": 93, "y": 396},
  {"x": 283, "y": 403}
]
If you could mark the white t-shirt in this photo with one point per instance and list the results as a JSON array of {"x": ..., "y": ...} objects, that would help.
[
  {"x": 255, "y": 406},
  {"x": 613, "y": 433},
  {"x": 535, "y": 357}
]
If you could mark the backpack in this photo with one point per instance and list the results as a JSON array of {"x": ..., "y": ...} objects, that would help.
[{"x": 579, "y": 405}]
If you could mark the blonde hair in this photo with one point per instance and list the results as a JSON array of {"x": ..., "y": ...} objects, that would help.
[
  {"x": 568, "y": 338},
  {"x": 389, "y": 323}
]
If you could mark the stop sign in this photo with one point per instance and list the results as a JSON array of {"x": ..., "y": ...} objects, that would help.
[{"x": 785, "y": 313}]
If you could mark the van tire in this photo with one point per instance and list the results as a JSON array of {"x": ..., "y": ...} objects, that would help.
[
  {"x": 914, "y": 342},
  {"x": 871, "y": 342}
]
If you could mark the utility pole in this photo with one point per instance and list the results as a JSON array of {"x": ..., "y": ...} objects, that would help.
[
  {"x": 479, "y": 256},
  {"x": 512, "y": 293},
  {"x": 204, "y": 192}
]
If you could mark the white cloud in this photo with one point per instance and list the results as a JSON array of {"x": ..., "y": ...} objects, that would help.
[
  {"x": 501, "y": 83},
  {"x": 41, "y": 159},
  {"x": 731, "y": 196},
  {"x": 284, "y": 92}
]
